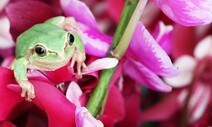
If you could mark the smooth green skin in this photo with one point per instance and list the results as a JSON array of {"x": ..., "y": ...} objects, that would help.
[{"x": 59, "y": 52}]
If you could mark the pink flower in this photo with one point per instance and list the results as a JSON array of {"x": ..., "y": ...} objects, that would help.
[
  {"x": 188, "y": 13},
  {"x": 146, "y": 59},
  {"x": 199, "y": 72},
  {"x": 195, "y": 72}
]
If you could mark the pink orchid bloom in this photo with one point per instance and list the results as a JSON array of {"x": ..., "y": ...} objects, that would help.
[
  {"x": 161, "y": 60},
  {"x": 188, "y": 13},
  {"x": 195, "y": 71},
  {"x": 150, "y": 53},
  {"x": 199, "y": 72}
]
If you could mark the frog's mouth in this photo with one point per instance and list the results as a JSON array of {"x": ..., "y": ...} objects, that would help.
[{"x": 48, "y": 66}]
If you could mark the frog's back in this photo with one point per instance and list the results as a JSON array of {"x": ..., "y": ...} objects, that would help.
[{"x": 30, "y": 37}]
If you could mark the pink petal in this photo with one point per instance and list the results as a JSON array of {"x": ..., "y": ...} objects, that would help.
[
  {"x": 199, "y": 102},
  {"x": 163, "y": 35},
  {"x": 73, "y": 93},
  {"x": 7, "y": 62},
  {"x": 79, "y": 11},
  {"x": 164, "y": 109},
  {"x": 100, "y": 64},
  {"x": 56, "y": 77},
  {"x": 85, "y": 119},
  {"x": 132, "y": 101},
  {"x": 203, "y": 48},
  {"x": 149, "y": 53},
  {"x": 6, "y": 42},
  {"x": 186, "y": 65},
  {"x": 114, "y": 108},
  {"x": 9, "y": 99},
  {"x": 7, "y": 124},
  {"x": 5, "y": 36},
  {"x": 143, "y": 75},
  {"x": 188, "y": 13},
  {"x": 59, "y": 110},
  {"x": 96, "y": 43},
  {"x": 3, "y": 4},
  {"x": 37, "y": 12}
]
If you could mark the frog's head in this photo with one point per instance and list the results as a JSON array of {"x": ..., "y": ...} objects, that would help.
[{"x": 46, "y": 46}]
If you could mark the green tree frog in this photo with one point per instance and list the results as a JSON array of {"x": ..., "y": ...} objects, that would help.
[{"x": 48, "y": 46}]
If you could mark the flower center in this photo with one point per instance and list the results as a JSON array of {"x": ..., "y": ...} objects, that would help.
[{"x": 204, "y": 70}]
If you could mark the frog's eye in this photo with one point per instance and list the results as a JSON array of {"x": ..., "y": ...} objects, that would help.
[
  {"x": 70, "y": 38},
  {"x": 40, "y": 50}
]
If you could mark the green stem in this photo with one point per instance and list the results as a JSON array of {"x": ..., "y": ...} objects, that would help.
[
  {"x": 95, "y": 104},
  {"x": 125, "y": 40}
]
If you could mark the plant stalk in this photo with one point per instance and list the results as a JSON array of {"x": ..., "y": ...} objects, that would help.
[{"x": 126, "y": 27}]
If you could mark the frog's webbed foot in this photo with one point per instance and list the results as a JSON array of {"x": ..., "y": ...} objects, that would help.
[
  {"x": 70, "y": 24},
  {"x": 27, "y": 90},
  {"x": 79, "y": 58}
]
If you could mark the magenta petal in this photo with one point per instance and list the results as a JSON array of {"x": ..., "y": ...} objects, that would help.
[
  {"x": 96, "y": 43},
  {"x": 59, "y": 109},
  {"x": 163, "y": 35},
  {"x": 85, "y": 119},
  {"x": 143, "y": 75},
  {"x": 74, "y": 93},
  {"x": 7, "y": 124},
  {"x": 79, "y": 11},
  {"x": 149, "y": 53},
  {"x": 56, "y": 77},
  {"x": 187, "y": 12},
  {"x": 24, "y": 14},
  {"x": 163, "y": 110},
  {"x": 114, "y": 108},
  {"x": 9, "y": 98}
]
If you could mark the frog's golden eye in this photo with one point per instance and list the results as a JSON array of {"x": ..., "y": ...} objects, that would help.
[
  {"x": 40, "y": 50},
  {"x": 70, "y": 39}
]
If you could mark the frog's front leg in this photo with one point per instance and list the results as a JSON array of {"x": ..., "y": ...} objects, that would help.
[
  {"x": 79, "y": 58},
  {"x": 20, "y": 67}
]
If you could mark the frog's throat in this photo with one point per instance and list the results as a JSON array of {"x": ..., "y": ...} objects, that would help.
[{"x": 47, "y": 66}]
